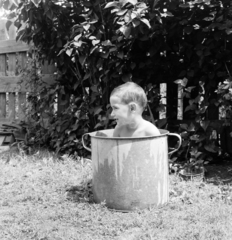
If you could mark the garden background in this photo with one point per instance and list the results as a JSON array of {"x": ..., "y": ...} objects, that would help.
[{"x": 182, "y": 47}]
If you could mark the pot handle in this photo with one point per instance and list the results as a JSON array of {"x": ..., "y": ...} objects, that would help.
[
  {"x": 83, "y": 143},
  {"x": 180, "y": 141}
]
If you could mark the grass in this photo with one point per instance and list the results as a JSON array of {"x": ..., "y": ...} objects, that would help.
[{"x": 44, "y": 198}]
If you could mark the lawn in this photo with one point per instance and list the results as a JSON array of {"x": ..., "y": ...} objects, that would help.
[{"x": 45, "y": 198}]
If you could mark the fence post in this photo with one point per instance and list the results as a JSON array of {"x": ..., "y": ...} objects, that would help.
[{"x": 172, "y": 99}]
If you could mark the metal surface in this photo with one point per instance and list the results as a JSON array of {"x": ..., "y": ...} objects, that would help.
[{"x": 130, "y": 173}]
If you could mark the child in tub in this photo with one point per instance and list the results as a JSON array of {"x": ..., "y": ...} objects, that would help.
[{"x": 128, "y": 102}]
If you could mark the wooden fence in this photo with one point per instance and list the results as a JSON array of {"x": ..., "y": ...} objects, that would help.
[{"x": 13, "y": 58}]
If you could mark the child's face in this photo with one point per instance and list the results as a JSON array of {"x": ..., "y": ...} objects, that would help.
[{"x": 120, "y": 110}]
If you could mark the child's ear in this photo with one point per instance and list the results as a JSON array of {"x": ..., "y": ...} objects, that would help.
[{"x": 133, "y": 107}]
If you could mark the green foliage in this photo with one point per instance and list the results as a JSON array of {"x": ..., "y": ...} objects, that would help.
[
  {"x": 98, "y": 44},
  {"x": 199, "y": 143},
  {"x": 90, "y": 43},
  {"x": 224, "y": 92}
]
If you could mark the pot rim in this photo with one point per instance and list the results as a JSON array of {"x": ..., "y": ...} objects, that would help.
[{"x": 163, "y": 133}]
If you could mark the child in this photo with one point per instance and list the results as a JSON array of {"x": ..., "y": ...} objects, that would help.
[{"x": 128, "y": 102}]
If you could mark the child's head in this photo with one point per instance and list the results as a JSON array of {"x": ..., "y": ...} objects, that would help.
[{"x": 131, "y": 92}]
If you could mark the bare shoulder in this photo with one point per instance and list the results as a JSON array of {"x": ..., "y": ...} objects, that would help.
[
  {"x": 117, "y": 131},
  {"x": 151, "y": 129}
]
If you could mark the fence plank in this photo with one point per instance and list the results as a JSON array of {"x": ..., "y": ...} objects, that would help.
[
  {"x": 11, "y": 64},
  {"x": 11, "y": 84},
  {"x": 11, "y": 72},
  {"x": 11, "y": 106},
  {"x": 21, "y": 106},
  {"x": 12, "y": 46},
  {"x": 2, "y": 95},
  {"x": 2, "y": 105},
  {"x": 22, "y": 60},
  {"x": 47, "y": 70},
  {"x": 2, "y": 64},
  {"x": 172, "y": 99}
]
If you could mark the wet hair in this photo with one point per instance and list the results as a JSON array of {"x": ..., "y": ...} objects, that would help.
[{"x": 131, "y": 92}]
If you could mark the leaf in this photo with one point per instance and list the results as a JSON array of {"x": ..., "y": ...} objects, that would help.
[
  {"x": 189, "y": 89},
  {"x": 122, "y": 12},
  {"x": 127, "y": 17},
  {"x": 114, "y": 10},
  {"x": 76, "y": 85},
  {"x": 161, "y": 122},
  {"x": 105, "y": 54},
  {"x": 185, "y": 5},
  {"x": 82, "y": 59},
  {"x": 97, "y": 110},
  {"x": 8, "y": 24},
  {"x": 219, "y": 19},
  {"x": 77, "y": 37},
  {"x": 126, "y": 30},
  {"x": 208, "y": 19},
  {"x": 93, "y": 49},
  {"x": 204, "y": 124},
  {"x": 87, "y": 75},
  {"x": 111, "y": 4},
  {"x": 113, "y": 49},
  {"x": 191, "y": 101},
  {"x": 191, "y": 128},
  {"x": 86, "y": 27},
  {"x": 124, "y": 2},
  {"x": 11, "y": 15},
  {"x": 107, "y": 43},
  {"x": 132, "y": 65},
  {"x": 199, "y": 162},
  {"x": 141, "y": 5},
  {"x": 36, "y": 2},
  {"x": 95, "y": 42},
  {"x": 184, "y": 126},
  {"x": 120, "y": 55},
  {"x": 69, "y": 52},
  {"x": 78, "y": 44},
  {"x": 169, "y": 14},
  {"x": 98, "y": 125},
  {"x": 190, "y": 107},
  {"x": 197, "y": 138},
  {"x": 94, "y": 88},
  {"x": 211, "y": 148},
  {"x": 127, "y": 77},
  {"x": 135, "y": 22},
  {"x": 183, "y": 82},
  {"x": 228, "y": 31},
  {"x": 145, "y": 21}
]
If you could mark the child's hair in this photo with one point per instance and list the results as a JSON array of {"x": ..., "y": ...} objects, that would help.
[{"x": 131, "y": 92}]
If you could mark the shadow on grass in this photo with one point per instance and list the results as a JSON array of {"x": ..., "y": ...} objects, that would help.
[
  {"x": 219, "y": 173},
  {"x": 80, "y": 193}
]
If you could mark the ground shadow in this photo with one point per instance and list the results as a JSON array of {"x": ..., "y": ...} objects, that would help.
[
  {"x": 219, "y": 173},
  {"x": 80, "y": 193}
]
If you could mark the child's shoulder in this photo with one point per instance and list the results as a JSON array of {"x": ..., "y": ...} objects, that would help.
[
  {"x": 117, "y": 131},
  {"x": 151, "y": 129}
]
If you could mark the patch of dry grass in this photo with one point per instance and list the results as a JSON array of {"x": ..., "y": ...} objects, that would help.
[{"x": 39, "y": 201}]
